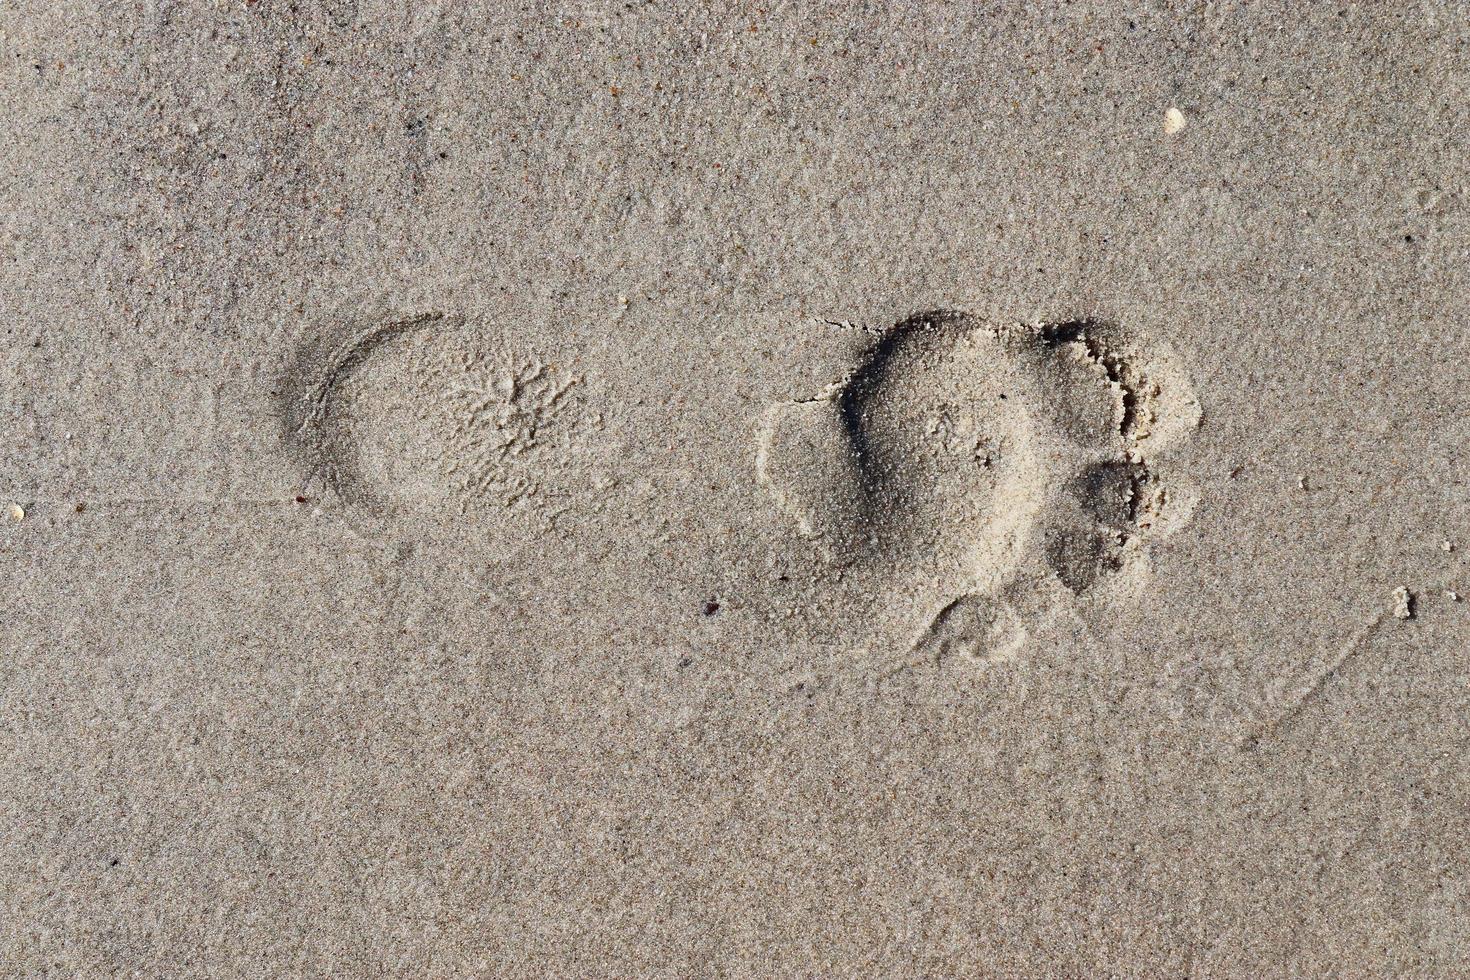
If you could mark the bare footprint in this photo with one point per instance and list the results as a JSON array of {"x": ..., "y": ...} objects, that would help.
[
  {"x": 985, "y": 475},
  {"x": 432, "y": 423}
]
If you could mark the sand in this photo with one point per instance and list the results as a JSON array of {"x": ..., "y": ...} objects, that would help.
[{"x": 787, "y": 490}]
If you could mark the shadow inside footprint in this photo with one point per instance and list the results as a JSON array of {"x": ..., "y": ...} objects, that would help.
[{"x": 982, "y": 474}]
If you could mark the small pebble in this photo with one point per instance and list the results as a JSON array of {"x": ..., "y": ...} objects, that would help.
[
  {"x": 1447, "y": 546},
  {"x": 17, "y": 513},
  {"x": 1403, "y": 603},
  {"x": 1452, "y": 595},
  {"x": 1174, "y": 121}
]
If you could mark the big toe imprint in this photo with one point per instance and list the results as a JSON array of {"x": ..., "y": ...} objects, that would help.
[{"x": 984, "y": 474}]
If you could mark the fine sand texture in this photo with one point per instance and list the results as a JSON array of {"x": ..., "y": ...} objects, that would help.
[{"x": 734, "y": 490}]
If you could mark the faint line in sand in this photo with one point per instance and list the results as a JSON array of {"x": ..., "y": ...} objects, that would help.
[{"x": 1403, "y": 608}]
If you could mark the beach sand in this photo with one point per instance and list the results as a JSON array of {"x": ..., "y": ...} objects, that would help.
[{"x": 790, "y": 490}]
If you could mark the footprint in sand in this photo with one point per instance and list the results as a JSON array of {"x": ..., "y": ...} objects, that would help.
[
  {"x": 434, "y": 423},
  {"x": 987, "y": 473}
]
